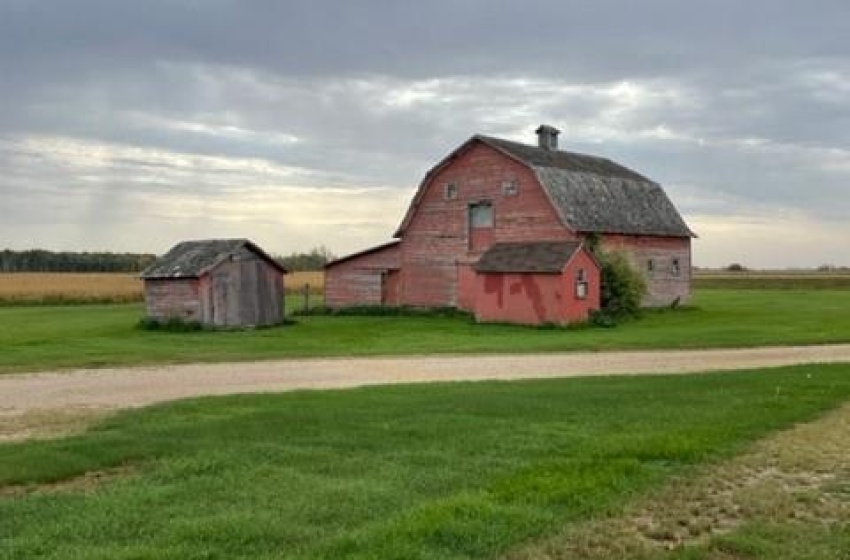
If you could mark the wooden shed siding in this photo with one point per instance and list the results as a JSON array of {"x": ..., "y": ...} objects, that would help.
[
  {"x": 437, "y": 238},
  {"x": 173, "y": 299},
  {"x": 663, "y": 286},
  {"x": 245, "y": 291},
  {"x": 363, "y": 280}
]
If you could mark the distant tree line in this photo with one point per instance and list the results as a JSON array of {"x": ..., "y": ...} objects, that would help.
[
  {"x": 39, "y": 260},
  {"x": 315, "y": 259}
]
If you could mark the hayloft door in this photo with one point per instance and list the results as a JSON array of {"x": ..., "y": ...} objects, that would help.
[{"x": 480, "y": 226}]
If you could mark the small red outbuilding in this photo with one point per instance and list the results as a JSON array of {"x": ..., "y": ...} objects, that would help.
[{"x": 535, "y": 283}]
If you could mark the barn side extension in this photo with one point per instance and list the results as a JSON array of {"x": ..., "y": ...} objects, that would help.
[
  {"x": 367, "y": 278},
  {"x": 536, "y": 283}
]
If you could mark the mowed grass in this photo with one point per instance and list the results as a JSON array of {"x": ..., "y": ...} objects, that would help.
[
  {"x": 39, "y": 337},
  {"x": 462, "y": 470}
]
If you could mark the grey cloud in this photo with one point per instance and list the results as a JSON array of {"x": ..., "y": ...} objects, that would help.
[
  {"x": 598, "y": 39},
  {"x": 732, "y": 104}
]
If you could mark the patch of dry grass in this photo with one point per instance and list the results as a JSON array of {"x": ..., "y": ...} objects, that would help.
[
  {"x": 48, "y": 423},
  {"x": 59, "y": 287},
  {"x": 798, "y": 476},
  {"x": 86, "y": 483}
]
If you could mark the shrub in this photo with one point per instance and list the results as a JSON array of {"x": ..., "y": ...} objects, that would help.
[
  {"x": 736, "y": 267},
  {"x": 623, "y": 288}
]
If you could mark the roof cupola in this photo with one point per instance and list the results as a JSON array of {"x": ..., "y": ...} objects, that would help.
[{"x": 547, "y": 137}]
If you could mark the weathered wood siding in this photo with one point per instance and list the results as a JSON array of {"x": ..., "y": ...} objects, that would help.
[
  {"x": 665, "y": 282},
  {"x": 242, "y": 292},
  {"x": 173, "y": 299},
  {"x": 370, "y": 278},
  {"x": 436, "y": 244}
]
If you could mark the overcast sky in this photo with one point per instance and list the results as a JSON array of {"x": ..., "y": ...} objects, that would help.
[{"x": 132, "y": 125}]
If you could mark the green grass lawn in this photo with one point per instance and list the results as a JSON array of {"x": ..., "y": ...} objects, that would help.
[
  {"x": 442, "y": 471},
  {"x": 41, "y": 337}
]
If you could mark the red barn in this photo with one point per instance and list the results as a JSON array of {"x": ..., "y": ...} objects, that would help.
[{"x": 491, "y": 191}]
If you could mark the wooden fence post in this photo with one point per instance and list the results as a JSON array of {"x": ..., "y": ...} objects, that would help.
[{"x": 306, "y": 299}]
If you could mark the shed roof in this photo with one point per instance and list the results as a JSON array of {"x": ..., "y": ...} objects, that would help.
[
  {"x": 192, "y": 259},
  {"x": 591, "y": 194},
  {"x": 548, "y": 257}
]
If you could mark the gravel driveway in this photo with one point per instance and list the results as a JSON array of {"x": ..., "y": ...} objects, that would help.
[{"x": 131, "y": 387}]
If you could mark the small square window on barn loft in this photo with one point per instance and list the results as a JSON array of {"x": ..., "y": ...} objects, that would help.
[
  {"x": 581, "y": 284},
  {"x": 450, "y": 192},
  {"x": 481, "y": 215},
  {"x": 510, "y": 188},
  {"x": 676, "y": 268}
]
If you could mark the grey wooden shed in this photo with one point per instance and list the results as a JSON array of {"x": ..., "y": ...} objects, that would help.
[{"x": 217, "y": 282}]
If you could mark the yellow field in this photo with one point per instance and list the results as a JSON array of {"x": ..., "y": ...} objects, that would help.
[
  {"x": 117, "y": 287},
  {"x": 69, "y": 286},
  {"x": 295, "y": 281}
]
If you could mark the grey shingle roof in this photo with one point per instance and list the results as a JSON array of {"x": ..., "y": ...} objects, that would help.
[
  {"x": 595, "y": 194},
  {"x": 548, "y": 257},
  {"x": 559, "y": 159},
  {"x": 595, "y": 203},
  {"x": 191, "y": 259}
]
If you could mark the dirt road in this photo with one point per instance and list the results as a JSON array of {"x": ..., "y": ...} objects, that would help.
[{"x": 131, "y": 387}]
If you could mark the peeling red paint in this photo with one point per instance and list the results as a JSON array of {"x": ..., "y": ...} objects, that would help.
[{"x": 538, "y": 298}]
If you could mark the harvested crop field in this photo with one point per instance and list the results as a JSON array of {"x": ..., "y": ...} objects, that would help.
[
  {"x": 71, "y": 287},
  {"x": 23, "y": 288},
  {"x": 772, "y": 280}
]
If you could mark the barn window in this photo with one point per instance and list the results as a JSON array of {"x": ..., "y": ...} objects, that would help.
[
  {"x": 451, "y": 191},
  {"x": 581, "y": 284},
  {"x": 676, "y": 268},
  {"x": 510, "y": 188},
  {"x": 481, "y": 215}
]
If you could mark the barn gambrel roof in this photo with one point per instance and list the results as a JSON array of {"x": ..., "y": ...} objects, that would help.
[
  {"x": 591, "y": 194},
  {"x": 192, "y": 259}
]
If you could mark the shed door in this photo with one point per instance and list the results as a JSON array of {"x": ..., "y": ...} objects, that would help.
[{"x": 220, "y": 294}]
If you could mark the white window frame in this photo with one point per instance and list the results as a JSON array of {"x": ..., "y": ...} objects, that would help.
[{"x": 582, "y": 287}]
